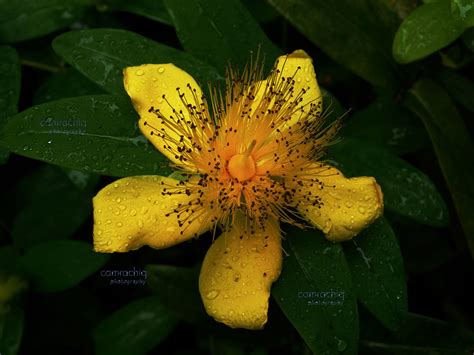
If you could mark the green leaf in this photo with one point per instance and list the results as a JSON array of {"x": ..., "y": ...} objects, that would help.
[
  {"x": 51, "y": 214},
  {"x": 468, "y": 38},
  {"x": 177, "y": 288},
  {"x": 452, "y": 144},
  {"x": 427, "y": 29},
  {"x": 22, "y": 20},
  {"x": 154, "y": 10},
  {"x": 10, "y": 72},
  {"x": 353, "y": 33},
  {"x": 459, "y": 87},
  {"x": 61, "y": 264},
  {"x": 11, "y": 331},
  {"x": 387, "y": 124},
  {"x": 418, "y": 335},
  {"x": 407, "y": 191},
  {"x": 463, "y": 10},
  {"x": 102, "y": 54},
  {"x": 96, "y": 134},
  {"x": 261, "y": 11},
  {"x": 134, "y": 329},
  {"x": 219, "y": 32},
  {"x": 8, "y": 260},
  {"x": 63, "y": 85},
  {"x": 377, "y": 273},
  {"x": 315, "y": 293}
]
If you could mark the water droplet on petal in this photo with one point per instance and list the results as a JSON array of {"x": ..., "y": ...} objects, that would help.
[
  {"x": 211, "y": 295},
  {"x": 161, "y": 70},
  {"x": 119, "y": 224},
  {"x": 139, "y": 72},
  {"x": 362, "y": 210}
]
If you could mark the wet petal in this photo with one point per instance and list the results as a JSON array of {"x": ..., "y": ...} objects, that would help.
[
  {"x": 306, "y": 94},
  {"x": 341, "y": 207},
  {"x": 133, "y": 212},
  {"x": 146, "y": 84},
  {"x": 299, "y": 66},
  {"x": 237, "y": 274}
]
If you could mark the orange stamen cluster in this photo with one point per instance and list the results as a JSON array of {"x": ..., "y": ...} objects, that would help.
[{"x": 252, "y": 154}]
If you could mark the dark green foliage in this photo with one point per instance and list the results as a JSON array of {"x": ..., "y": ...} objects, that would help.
[{"x": 399, "y": 71}]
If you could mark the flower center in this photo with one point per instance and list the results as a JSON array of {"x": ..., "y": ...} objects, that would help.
[{"x": 242, "y": 167}]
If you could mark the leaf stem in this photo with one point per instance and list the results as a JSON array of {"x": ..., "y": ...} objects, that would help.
[{"x": 41, "y": 66}]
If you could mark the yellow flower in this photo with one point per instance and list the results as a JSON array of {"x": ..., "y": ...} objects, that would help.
[{"x": 251, "y": 161}]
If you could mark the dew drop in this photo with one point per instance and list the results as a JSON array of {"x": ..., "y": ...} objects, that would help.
[
  {"x": 362, "y": 210},
  {"x": 108, "y": 221},
  {"x": 348, "y": 204},
  {"x": 133, "y": 212},
  {"x": 341, "y": 345},
  {"x": 119, "y": 224},
  {"x": 211, "y": 295},
  {"x": 140, "y": 223},
  {"x": 116, "y": 185},
  {"x": 139, "y": 72},
  {"x": 161, "y": 70},
  {"x": 118, "y": 200}
]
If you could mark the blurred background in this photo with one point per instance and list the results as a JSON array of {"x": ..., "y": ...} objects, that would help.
[{"x": 400, "y": 71}]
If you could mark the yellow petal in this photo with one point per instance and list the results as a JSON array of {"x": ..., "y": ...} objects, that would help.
[
  {"x": 133, "y": 212},
  {"x": 300, "y": 66},
  {"x": 237, "y": 274},
  {"x": 146, "y": 84},
  {"x": 341, "y": 207}
]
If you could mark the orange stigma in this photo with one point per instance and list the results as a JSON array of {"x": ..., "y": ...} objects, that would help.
[{"x": 242, "y": 167}]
